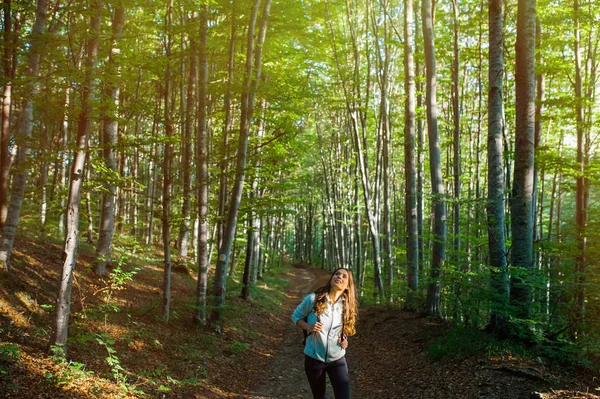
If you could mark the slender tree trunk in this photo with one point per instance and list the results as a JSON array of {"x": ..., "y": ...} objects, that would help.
[
  {"x": 63, "y": 300},
  {"x": 167, "y": 162},
  {"x": 23, "y": 134},
  {"x": 248, "y": 260},
  {"x": 109, "y": 141},
  {"x": 522, "y": 199},
  {"x": 6, "y": 109},
  {"x": 410, "y": 164},
  {"x": 437, "y": 184},
  {"x": 186, "y": 156},
  {"x": 152, "y": 174},
  {"x": 63, "y": 148},
  {"x": 44, "y": 179},
  {"x": 386, "y": 176},
  {"x": 251, "y": 79},
  {"x": 456, "y": 139},
  {"x": 88, "y": 203},
  {"x": 580, "y": 191},
  {"x": 419, "y": 149},
  {"x": 202, "y": 170},
  {"x": 495, "y": 205},
  {"x": 227, "y": 127}
]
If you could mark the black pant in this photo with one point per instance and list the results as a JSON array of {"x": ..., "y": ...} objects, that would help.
[{"x": 338, "y": 374}]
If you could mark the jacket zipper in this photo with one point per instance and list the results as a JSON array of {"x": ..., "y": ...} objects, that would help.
[{"x": 328, "y": 333}]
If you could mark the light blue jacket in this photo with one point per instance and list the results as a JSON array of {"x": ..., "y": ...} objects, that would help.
[{"x": 323, "y": 345}]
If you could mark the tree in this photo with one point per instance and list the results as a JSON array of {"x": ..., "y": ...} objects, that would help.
[
  {"x": 186, "y": 147},
  {"x": 495, "y": 205},
  {"x": 522, "y": 195},
  {"x": 252, "y": 77},
  {"x": 581, "y": 180},
  {"x": 63, "y": 301},
  {"x": 110, "y": 126},
  {"x": 23, "y": 128},
  {"x": 435, "y": 167},
  {"x": 410, "y": 166},
  {"x": 167, "y": 173},
  {"x": 9, "y": 49},
  {"x": 202, "y": 170}
]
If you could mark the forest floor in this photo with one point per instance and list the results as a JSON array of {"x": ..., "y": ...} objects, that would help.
[{"x": 120, "y": 348}]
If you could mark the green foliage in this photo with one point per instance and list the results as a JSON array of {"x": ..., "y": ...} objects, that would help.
[
  {"x": 238, "y": 347},
  {"x": 68, "y": 370},
  {"x": 9, "y": 353},
  {"x": 461, "y": 342},
  {"x": 112, "y": 359}
]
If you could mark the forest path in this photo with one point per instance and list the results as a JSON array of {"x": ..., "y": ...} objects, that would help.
[
  {"x": 284, "y": 377},
  {"x": 388, "y": 359}
]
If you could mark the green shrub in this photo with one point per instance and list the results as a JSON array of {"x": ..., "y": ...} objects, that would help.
[
  {"x": 238, "y": 347},
  {"x": 461, "y": 342}
]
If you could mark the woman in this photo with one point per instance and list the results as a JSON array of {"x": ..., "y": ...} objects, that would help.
[{"x": 329, "y": 315}]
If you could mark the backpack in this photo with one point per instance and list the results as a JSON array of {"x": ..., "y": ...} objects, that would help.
[{"x": 306, "y": 333}]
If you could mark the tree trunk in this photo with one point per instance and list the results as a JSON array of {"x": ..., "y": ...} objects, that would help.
[
  {"x": 410, "y": 166},
  {"x": 419, "y": 150},
  {"x": 64, "y": 151},
  {"x": 437, "y": 184},
  {"x": 227, "y": 127},
  {"x": 9, "y": 75},
  {"x": 580, "y": 191},
  {"x": 44, "y": 179},
  {"x": 88, "y": 203},
  {"x": 522, "y": 198},
  {"x": 110, "y": 127},
  {"x": 202, "y": 170},
  {"x": 186, "y": 156},
  {"x": 456, "y": 139},
  {"x": 63, "y": 300},
  {"x": 23, "y": 135},
  {"x": 248, "y": 260},
  {"x": 495, "y": 205},
  {"x": 167, "y": 162},
  {"x": 251, "y": 80}
]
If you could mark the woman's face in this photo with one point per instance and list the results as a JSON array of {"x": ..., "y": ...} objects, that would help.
[{"x": 340, "y": 279}]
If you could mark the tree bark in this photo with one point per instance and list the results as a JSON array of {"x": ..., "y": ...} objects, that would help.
[
  {"x": 202, "y": 170},
  {"x": 495, "y": 205},
  {"x": 227, "y": 127},
  {"x": 167, "y": 162},
  {"x": 456, "y": 139},
  {"x": 580, "y": 190},
  {"x": 522, "y": 198},
  {"x": 186, "y": 156},
  {"x": 410, "y": 165},
  {"x": 437, "y": 184},
  {"x": 6, "y": 110},
  {"x": 63, "y": 300},
  {"x": 109, "y": 142},
  {"x": 23, "y": 129}
]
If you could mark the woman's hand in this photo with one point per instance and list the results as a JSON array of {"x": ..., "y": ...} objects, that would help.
[
  {"x": 343, "y": 341},
  {"x": 315, "y": 328}
]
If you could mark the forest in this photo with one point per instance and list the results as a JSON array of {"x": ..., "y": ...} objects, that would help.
[{"x": 164, "y": 163}]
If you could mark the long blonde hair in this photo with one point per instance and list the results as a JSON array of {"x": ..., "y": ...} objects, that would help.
[{"x": 350, "y": 303}]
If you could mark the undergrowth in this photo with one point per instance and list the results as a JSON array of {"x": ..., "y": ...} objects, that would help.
[{"x": 463, "y": 342}]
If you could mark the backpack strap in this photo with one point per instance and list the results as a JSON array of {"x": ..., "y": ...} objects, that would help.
[{"x": 304, "y": 332}]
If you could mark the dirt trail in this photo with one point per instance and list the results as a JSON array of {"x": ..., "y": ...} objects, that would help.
[
  {"x": 285, "y": 378},
  {"x": 388, "y": 360}
]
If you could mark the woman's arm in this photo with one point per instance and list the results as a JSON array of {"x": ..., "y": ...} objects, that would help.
[{"x": 311, "y": 328}]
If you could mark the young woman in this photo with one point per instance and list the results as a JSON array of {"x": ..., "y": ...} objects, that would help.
[{"x": 329, "y": 315}]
